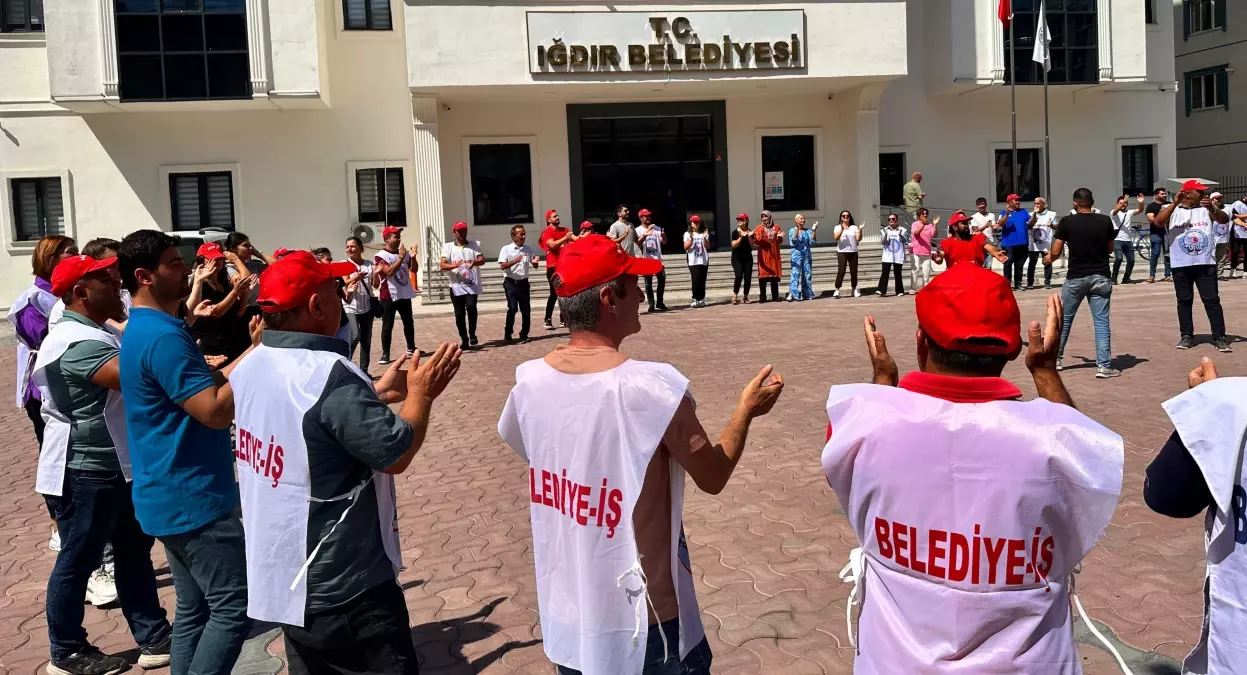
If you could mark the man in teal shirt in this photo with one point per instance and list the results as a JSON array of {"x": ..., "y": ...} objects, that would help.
[
  {"x": 93, "y": 507},
  {"x": 178, "y": 416}
]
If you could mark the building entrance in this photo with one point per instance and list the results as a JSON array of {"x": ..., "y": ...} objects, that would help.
[{"x": 667, "y": 158}]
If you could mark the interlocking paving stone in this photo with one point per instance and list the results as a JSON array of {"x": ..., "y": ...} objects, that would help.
[{"x": 766, "y": 551}]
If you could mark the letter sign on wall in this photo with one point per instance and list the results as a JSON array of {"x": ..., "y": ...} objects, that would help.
[{"x": 661, "y": 42}]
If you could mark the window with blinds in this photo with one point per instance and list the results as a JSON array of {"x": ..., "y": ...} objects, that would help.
[
  {"x": 367, "y": 14},
  {"x": 380, "y": 196},
  {"x": 38, "y": 208},
  {"x": 202, "y": 200},
  {"x": 21, "y": 16}
]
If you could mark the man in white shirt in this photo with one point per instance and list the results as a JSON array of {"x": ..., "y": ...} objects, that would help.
[
  {"x": 1221, "y": 236},
  {"x": 984, "y": 223},
  {"x": 516, "y": 260},
  {"x": 1042, "y": 223},
  {"x": 622, "y": 233},
  {"x": 1189, "y": 236},
  {"x": 1238, "y": 236},
  {"x": 652, "y": 238},
  {"x": 460, "y": 258},
  {"x": 1123, "y": 244}
]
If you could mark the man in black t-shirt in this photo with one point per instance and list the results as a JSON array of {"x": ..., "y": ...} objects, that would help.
[
  {"x": 1090, "y": 238},
  {"x": 1156, "y": 236}
]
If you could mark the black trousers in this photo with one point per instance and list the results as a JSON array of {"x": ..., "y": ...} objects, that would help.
[
  {"x": 743, "y": 270},
  {"x": 843, "y": 259},
  {"x": 1238, "y": 251},
  {"x": 370, "y": 634},
  {"x": 465, "y": 316},
  {"x": 655, "y": 300},
  {"x": 553, "y": 299},
  {"x": 763, "y": 282},
  {"x": 388, "y": 309},
  {"x": 1013, "y": 267},
  {"x": 1204, "y": 278},
  {"x": 698, "y": 273},
  {"x": 1033, "y": 258},
  {"x": 895, "y": 269},
  {"x": 518, "y": 292}
]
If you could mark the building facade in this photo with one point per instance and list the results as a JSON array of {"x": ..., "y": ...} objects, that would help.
[
  {"x": 1210, "y": 43},
  {"x": 300, "y": 121}
]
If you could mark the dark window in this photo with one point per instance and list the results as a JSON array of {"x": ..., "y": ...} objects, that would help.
[
  {"x": 367, "y": 14},
  {"x": 21, "y": 16},
  {"x": 1030, "y": 173},
  {"x": 182, "y": 50},
  {"x": 1138, "y": 169},
  {"x": 502, "y": 183},
  {"x": 1074, "y": 46},
  {"x": 202, "y": 200},
  {"x": 789, "y": 173},
  {"x": 1207, "y": 89},
  {"x": 38, "y": 208},
  {"x": 381, "y": 200},
  {"x": 892, "y": 178},
  {"x": 1199, "y": 16}
]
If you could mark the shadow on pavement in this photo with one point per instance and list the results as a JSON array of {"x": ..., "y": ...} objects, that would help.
[{"x": 434, "y": 638}]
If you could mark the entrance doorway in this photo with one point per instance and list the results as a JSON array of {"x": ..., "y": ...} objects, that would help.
[{"x": 667, "y": 158}]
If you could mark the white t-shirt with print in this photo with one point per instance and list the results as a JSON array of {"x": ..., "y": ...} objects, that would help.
[
  {"x": 398, "y": 284},
  {"x": 894, "y": 241},
  {"x": 1041, "y": 233},
  {"x": 361, "y": 299},
  {"x": 651, "y": 245},
  {"x": 697, "y": 254},
  {"x": 1122, "y": 221},
  {"x": 1238, "y": 208},
  {"x": 464, "y": 280},
  {"x": 1220, "y": 232}
]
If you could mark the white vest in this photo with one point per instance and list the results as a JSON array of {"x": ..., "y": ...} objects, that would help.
[
  {"x": 43, "y": 301},
  {"x": 1192, "y": 245},
  {"x": 1211, "y": 419},
  {"x": 398, "y": 283},
  {"x": 893, "y": 245},
  {"x": 971, "y": 518},
  {"x": 273, "y": 390},
  {"x": 53, "y": 454},
  {"x": 58, "y": 310},
  {"x": 588, "y": 440}
]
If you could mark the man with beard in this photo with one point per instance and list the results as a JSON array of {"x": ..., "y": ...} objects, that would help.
[
  {"x": 964, "y": 246},
  {"x": 178, "y": 415}
]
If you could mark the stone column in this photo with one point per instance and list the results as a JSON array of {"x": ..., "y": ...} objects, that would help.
[
  {"x": 108, "y": 48},
  {"x": 257, "y": 47},
  {"x": 1104, "y": 16},
  {"x": 428, "y": 184},
  {"x": 868, "y": 159}
]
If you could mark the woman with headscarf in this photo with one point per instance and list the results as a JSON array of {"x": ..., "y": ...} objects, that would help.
[
  {"x": 848, "y": 235},
  {"x": 801, "y": 285},
  {"x": 767, "y": 237}
]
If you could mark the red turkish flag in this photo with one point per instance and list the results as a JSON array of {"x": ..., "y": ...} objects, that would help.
[{"x": 1005, "y": 11}]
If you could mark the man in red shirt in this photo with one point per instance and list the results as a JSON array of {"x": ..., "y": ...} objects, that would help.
[
  {"x": 965, "y": 247},
  {"x": 552, "y": 239}
]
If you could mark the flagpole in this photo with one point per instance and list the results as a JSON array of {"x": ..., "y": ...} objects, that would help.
[
  {"x": 1013, "y": 93},
  {"x": 1047, "y": 145}
]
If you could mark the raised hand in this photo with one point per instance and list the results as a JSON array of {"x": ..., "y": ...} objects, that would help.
[
  {"x": 761, "y": 393},
  {"x": 1043, "y": 344},
  {"x": 203, "y": 309},
  {"x": 1204, "y": 372},
  {"x": 881, "y": 361},
  {"x": 429, "y": 379},
  {"x": 256, "y": 328},
  {"x": 392, "y": 385},
  {"x": 214, "y": 361}
]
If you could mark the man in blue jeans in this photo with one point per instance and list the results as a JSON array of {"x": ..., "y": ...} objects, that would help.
[
  {"x": 178, "y": 416},
  {"x": 1090, "y": 238},
  {"x": 1156, "y": 237}
]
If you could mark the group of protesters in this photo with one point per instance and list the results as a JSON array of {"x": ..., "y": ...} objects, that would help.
[{"x": 217, "y": 410}]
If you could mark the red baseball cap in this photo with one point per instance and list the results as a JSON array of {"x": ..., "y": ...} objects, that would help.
[
  {"x": 68, "y": 271},
  {"x": 970, "y": 309},
  {"x": 742, "y": 216},
  {"x": 460, "y": 226},
  {"x": 694, "y": 218},
  {"x": 586, "y": 225},
  {"x": 1194, "y": 184},
  {"x": 643, "y": 212},
  {"x": 596, "y": 259},
  {"x": 282, "y": 252},
  {"x": 293, "y": 279},
  {"x": 550, "y": 213},
  {"x": 210, "y": 251},
  {"x": 391, "y": 229},
  {"x": 1013, "y": 196},
  {"x": 958, "y": 217}
]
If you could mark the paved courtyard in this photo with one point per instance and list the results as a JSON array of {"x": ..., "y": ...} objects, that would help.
[{"x": 766, "y": 552}]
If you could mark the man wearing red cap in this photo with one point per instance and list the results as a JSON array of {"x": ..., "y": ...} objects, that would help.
[
  {"x": 1015, "y": 238},
  {"x": 607, "y": 492},
  {"x": 963, "y": 246},
  {"x": 391, "y": 271},
  {"x": 84, "y": 472},
  {"x": 968, "y": 503},
  {"x": 652, "y": 239},
  {"x": 1189, "y": 235},
  {"x": 317, "y": 448},
  {"x": 551, "y": 241},
  {"x": 460, "y": 258}
]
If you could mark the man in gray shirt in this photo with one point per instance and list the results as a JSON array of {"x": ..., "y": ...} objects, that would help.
[{"x": 623, "y": 233}]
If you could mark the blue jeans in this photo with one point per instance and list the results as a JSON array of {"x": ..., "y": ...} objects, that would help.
[
  {"x": 657, "y": 663},
  {"x": 1123, "y": 250},
  {"x": 1158, "y": 250},
  {"x": 209, "y": 569},
  {"x": 93, "y": 510},
  {"x": 1098, "y": 290}
]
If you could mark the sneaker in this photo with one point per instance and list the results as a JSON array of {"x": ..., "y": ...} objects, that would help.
[
  {"x": 1031, "y": 287},
  {"x": 89, "y": 661},
  {"x": 473, "y": 341},
  {"x": 789, "y": 298},
  {"x": 1222, "y": 344},
  {"x": 1047, "y": 287},
  {"x": 54, "y": 543},
  {"x": 1060, "y": 364},
  {"x": 509, "y": 340},
  {"x": 101, "y": 587},
  {"x": 857, "y": 293},
  {"x": 548, "y": 326},
  {"x": 157, "y": 655},
  {"x": 836, "y": 294},
  {"x": 1186, "y": 343},
  {"x": 410, "y": 353},
  {"x": 701, "y": 303},
  {"x": 662, "y": 308},
  {"x": 1106, "y": 373},
  {"x": 385, "y": 361},
  {"x": 692, "y": 305},
  {"x": 463, "y": 346}
]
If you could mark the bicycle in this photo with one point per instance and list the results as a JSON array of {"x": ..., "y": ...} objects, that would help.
[{"x": 1141, "y": 239}]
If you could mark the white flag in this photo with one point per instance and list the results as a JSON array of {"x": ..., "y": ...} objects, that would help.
[{"x": 1043, "y": 38}]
